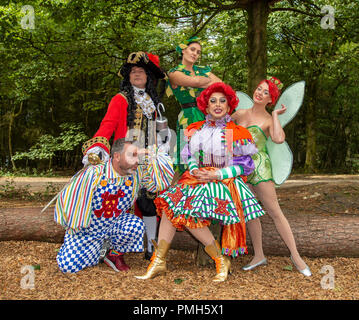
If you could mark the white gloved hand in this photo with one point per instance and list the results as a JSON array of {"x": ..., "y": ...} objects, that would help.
[{"x": 104, "y": 156}]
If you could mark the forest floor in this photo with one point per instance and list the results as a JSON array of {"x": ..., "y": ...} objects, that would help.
[{"x": 279, "y": 280}]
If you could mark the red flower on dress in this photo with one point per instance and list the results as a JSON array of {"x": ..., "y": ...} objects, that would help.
[{"x": 121, "y": 193}]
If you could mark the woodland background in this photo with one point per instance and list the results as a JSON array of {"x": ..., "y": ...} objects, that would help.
[{"x": 58, "y": 75}]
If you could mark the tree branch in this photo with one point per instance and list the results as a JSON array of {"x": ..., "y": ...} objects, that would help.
[
  {"x": 298, "y": 11},
  {"x": 194, "y": 34},
  {"x": 223, "y": 7},
  {"x": 205, "y": 23}
]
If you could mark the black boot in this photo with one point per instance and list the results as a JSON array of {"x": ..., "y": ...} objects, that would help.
[{"x": 148, "y": 254}]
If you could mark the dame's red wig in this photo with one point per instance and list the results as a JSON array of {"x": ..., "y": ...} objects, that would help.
[
  {"x": 202, "y": 100},
  {"x": 273, "y": 89}
]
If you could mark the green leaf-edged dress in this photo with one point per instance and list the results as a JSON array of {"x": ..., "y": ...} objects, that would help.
[{"x": 185, "y": 95}]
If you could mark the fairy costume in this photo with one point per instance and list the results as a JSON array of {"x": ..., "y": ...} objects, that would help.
[
  {"x": 213, "y": 145},
  {"x": 273, "y": 161},
  {"x": 263, "y": 167}
]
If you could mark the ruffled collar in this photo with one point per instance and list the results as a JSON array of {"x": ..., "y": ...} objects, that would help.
[
  {"x": 143, "y": 99},
  {"x": 139, "y": 91},
  {"x": 210, "y": 122}
]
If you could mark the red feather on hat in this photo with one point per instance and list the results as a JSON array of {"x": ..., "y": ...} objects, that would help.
[{"x": 154, "y": 58}]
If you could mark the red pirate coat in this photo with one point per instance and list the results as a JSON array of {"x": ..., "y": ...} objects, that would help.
[{"x": 114, "y": 122}]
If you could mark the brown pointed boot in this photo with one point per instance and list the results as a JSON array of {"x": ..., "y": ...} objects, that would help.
[
  {"x": 158, "y": 261},
  {"x": 223, "y": 263}
]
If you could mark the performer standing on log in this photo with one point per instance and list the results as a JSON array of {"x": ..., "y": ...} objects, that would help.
[
  {"x": 94, "y": 206},
  {"x": 186, "y": 82},
  {"x": 219, "y": 154},
  {"x": 133, "y": 112},
  {"x": 268, "y": 135}
]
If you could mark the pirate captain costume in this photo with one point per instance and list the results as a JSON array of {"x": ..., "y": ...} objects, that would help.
[
  {"x": 133, "y": 111},
  {"x": 94, "y": 208}
]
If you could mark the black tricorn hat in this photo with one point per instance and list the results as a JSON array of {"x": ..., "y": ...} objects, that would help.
[{"x": 144, "y": 60}]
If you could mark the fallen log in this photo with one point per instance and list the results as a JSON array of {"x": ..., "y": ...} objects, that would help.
[
  {"x": 28, "y": 223},
  {"x": 315, "y": 235}
]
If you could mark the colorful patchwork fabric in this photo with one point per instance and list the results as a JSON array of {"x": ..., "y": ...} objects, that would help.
[{"x": 193, "y": 204}]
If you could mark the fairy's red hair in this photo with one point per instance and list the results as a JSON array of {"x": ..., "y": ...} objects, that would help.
[
  {"x": 273, "y": 89},
  {"x": 202, "y": 100}
]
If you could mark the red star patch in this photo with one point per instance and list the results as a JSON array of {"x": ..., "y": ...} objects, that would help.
[
  {"x": 176, "y": 197},
  {"x": 187, "y": 204},
  {"x": 222, "y": 206}
]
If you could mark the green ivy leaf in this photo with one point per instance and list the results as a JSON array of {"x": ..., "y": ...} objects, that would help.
[{"x": 289, "y": 268}]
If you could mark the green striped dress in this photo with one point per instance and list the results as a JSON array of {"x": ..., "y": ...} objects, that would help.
[{"x": 213, "y": 200}]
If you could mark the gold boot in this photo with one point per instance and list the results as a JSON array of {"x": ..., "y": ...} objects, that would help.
[
  {"x": 223, "y": 263},
  {"x": 158, "y": 261}
]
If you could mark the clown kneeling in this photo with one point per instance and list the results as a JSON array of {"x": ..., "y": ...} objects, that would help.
[{"x": 93, "y": 207}]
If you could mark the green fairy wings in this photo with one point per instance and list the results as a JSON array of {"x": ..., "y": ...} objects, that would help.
[{"x": 280, "y": 154}]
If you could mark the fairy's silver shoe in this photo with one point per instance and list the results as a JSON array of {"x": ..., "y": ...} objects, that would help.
[
  {"x": 306, "y": 271},
  {"x": 251, "y": 267}
]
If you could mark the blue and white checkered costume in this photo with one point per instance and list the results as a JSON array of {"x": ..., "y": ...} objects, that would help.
[
  {"x": 125, "y": 232},
  {"x": 92, "y": 220}
]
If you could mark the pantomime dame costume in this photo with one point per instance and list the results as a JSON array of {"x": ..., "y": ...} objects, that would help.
[
  {"x": 212, "y": 145},
  {"x": 220, "y": 152}
]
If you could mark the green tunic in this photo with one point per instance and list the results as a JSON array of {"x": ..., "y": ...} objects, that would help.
[
  {"x": 188, "y": 115},
  {"x": 263, "y": 167}
]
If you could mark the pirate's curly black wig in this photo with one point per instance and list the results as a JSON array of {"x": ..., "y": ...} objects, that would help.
[{"x": 126, "y": 87}]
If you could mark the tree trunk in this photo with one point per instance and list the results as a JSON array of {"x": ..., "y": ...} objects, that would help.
[
  {"x": 29, "y": 224},
  {"x": 315, "y": 235},
  {"x": 12, "y": 117},
  {"x": 311, "y": 147},
  {"x": 258, "y": 12},
  {"x": 11, "y": 120}
]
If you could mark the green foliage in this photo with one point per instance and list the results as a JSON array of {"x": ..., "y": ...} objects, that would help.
[
  {"x": 47, "y": 145},
  {"x": 9, "y": 190},
  {"x": 65, "y": 70},
  {"x": 44, "y": 148}
]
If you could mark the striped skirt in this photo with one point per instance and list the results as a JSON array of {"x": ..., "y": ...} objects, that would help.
[{"x": 191, "y": 204}]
